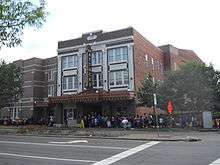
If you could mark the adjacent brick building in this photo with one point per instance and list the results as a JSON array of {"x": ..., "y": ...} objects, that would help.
[
  {"x": 39, "y": 82},
  {"x": 96, "y": 73}
]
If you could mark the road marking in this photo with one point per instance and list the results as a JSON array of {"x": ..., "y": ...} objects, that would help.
[
  {"x": 216, "y": 162},
  {"x": 70, "y": 142},
  {"x": 47, "y": 158},
  {"x": 63, "y": 145},
  {"x": 125, "y": 154}
]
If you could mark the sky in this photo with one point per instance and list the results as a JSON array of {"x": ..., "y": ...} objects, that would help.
[{"x": 186, "y": 24}]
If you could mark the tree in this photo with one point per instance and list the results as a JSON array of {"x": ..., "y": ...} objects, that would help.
[
  {"x": 10, "y": 83},
  {"x": 15, "y": 16},
  {"x": 146, "y": 90},
  {"x": 215, "y": 78},
  {"x": 191, "y": 88}
]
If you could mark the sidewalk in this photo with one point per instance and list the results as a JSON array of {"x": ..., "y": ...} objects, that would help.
[
  {"x": 163, "y": 136},
  {"x": 150, "y": 134}
]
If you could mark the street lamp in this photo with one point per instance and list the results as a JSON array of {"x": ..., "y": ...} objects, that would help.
[{"x": 155, "y": 104}]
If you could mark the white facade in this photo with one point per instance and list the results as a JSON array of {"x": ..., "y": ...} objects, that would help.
[{"x": 112, "y": 67}]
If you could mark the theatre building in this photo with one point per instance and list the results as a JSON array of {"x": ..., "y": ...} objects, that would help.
[{"x": 99, "y": 72}]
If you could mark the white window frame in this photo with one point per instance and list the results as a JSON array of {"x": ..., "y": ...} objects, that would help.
[
  {"x": 152, "y": 62},
  {"x": 74, "y": 82},
  {"x": 50, "y": 87},
  {"x": 97, "y": 79},
  {"x": 96, "y": 55},
  {"x": 114, "y": 77},
  {"x": 50, "y": 78},
  {"x": 146, "y": 57},
  {"x": 114, "y": 54},
  {"x": 74, "y": 61}
]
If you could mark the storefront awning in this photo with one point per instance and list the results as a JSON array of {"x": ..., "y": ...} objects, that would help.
[{"x": 93, "y": 97}]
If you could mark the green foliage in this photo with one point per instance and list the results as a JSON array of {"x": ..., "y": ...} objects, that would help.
[
  {"x": 146, "y": 91},
  {"x": 10, "y": 83},
  {"x": 191, "y": 88},
  {"x": 15, "y": 15}
]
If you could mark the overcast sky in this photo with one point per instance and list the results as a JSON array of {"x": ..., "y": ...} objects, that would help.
[{"x": 187, "y": 24}]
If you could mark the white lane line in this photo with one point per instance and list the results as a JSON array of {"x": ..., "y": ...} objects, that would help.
[
  {"x": 70, "y": 142},
  {"x": 216, "y": 162},
  {"x": 125, "y": 154},
  {"x": 47, "y": 158},
  {"x": 64, "y": 145}
]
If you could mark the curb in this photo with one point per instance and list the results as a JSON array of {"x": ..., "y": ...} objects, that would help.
[{"x": 116, "y": 138}]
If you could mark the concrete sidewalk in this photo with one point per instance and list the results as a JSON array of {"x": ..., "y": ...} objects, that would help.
[
  {"x": 163, "y": 136},
  {"x": 105, "y": 133}
]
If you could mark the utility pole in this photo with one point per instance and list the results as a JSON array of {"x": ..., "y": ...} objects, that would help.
[{"x": 156, "y": 118}]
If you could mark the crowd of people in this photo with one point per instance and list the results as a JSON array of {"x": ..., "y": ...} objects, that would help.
[
  {"x": 116, "y": 121},
  {"x": 145, "y": 121},
  {"x": 7, "y": 120}
]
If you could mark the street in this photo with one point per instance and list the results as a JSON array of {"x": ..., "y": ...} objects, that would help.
[{"x": 32, "y": 150}]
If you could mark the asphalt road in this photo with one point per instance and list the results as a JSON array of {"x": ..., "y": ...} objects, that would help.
[{"x": 20, "y": 150}]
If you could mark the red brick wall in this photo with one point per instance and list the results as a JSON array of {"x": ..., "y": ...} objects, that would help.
[
  {"x": 141, "y": 48},
  {"x": 174, "y": 55}
]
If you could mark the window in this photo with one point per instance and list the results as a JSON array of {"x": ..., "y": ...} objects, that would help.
[
  {"x": 118, "y": 54},
  {"x": 69, "y": 62},
  {"x": 64, "y": 83},
  {"x": 97, "y": 58},
  {"x": 50, "y": 90},
  {"x": 118, "y": 78},
  {"x": 152, "y": 62},
  {"x": 110, "y": 55},
  {"x": 156, "y": 65},
  {"x": 125, "y": 53},
  {"x": 70, "y": 83},
  {"x": 111, "y": 78},
  {"x": 125, "y": 77},
  {"x": 75, "y": 82},
  {"x": 64, "y": 62},
  {"x": 146, "y": 57},
  {"x": 50, "y": 75},
  {"x": 97, "y": 80}
]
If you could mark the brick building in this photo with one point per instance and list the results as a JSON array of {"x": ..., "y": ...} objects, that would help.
[
  {"x": 39, "y": 82},
  {"x": 96, "y": 73}
]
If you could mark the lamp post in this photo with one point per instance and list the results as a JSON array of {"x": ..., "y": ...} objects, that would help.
[{"x": 156, "y": 118}]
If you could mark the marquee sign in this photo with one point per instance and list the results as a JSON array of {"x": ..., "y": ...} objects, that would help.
[{"x": 88, "y": 69}]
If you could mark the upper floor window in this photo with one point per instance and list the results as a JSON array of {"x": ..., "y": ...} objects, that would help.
[
  {"x": 146, "y": 57},
  {"x": 50, "y": 90},
  {"x": 97, "y": 79},
  {"x": 118, "y": 78},
  {"x": 50, "y": 75},
  {"x": 152, "y": 62},
  {"x": 118, "y": 54},
  {"x": 69, "y": 62},
  {"x": 97, "y": 58},
  {"x": 70, "y": 83}
]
